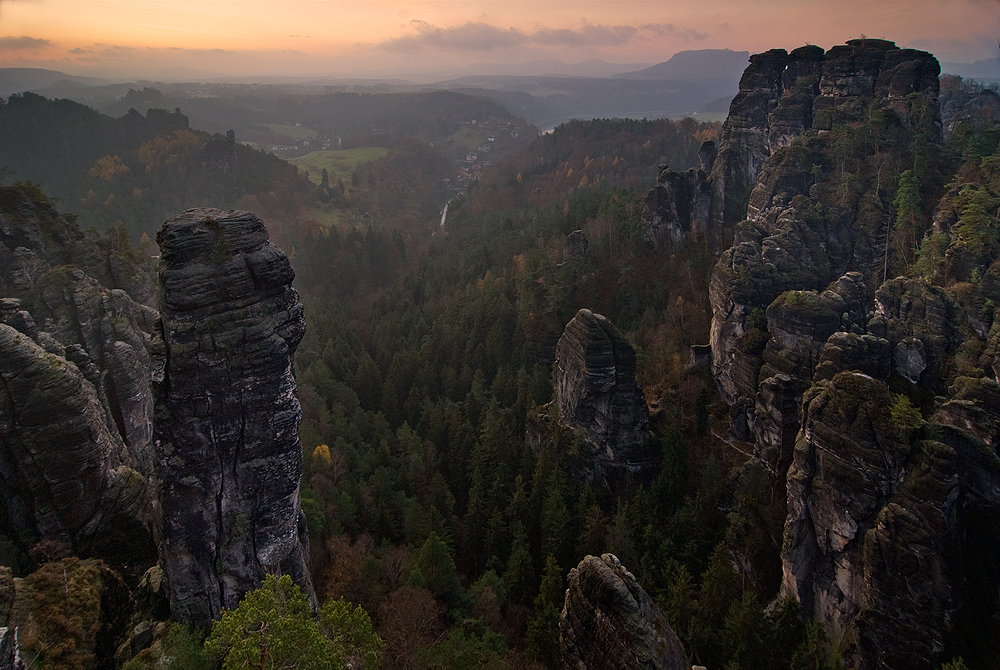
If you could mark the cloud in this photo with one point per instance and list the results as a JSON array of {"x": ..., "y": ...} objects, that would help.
[
  {"x": 670, "y": 30},
  {"x": 468, "y": 37},
  {"x": 103, "y": 53},
  {"x": 587, "y": 35},
  {"x": 22, "y": 43},
  {"x": 478, "y": 36}
]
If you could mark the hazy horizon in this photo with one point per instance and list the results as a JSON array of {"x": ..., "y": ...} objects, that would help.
[{"x": 219, "y": 39}]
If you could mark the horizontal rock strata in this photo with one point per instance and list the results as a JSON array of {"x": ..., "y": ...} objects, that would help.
[{"x": 227, "y": 416}]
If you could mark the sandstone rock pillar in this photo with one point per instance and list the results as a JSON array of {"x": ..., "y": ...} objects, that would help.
[{"x": 228, "y": 450}]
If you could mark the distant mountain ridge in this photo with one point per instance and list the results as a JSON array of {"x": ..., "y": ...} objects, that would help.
[
  {"x": 691, "y": 82},
  {"x": 592, "y": 67},
  {"x": 695, "y": 65},
  {"x": 20, "y": 79},
  {"x": 987, "y": 68}
]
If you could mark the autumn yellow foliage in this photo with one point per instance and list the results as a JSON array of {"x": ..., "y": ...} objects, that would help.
[{"x": 321, "y": 455}]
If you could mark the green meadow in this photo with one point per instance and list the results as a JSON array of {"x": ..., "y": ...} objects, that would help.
[{"x": 336, "y": 163}]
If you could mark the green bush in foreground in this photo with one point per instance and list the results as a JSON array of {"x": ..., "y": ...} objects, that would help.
[{"x": 273, "y": 626}]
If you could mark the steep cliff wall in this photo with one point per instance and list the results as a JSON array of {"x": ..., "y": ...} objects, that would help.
[
  {"x": 178, "y": 430},
  {"x": 868, "y": 399},
  {"x": 227, "y": 416},
  {"x": 781, "y": 96},
  {"x": 75, "y": 437}
]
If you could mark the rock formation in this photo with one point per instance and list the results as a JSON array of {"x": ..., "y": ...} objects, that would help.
[
  {"x": 595, "y": 392},
  {"x": 178, "y": 429},
  {"x": 75, "y": 405},
  {"x": 610, "y": 623},
  {"x": 802, "y": 260},
  {"x": 781, "y": 95},
  {"x": 227, "y": 416},
  {"x": 69, "y": 613},
  {"x": 960, "y": 105},
  {"x": 677, "y": 207},
  {"x": 66, "y": 477},
  {"x": 890, "y": 497},
  {"x": 873, "y": 539}
]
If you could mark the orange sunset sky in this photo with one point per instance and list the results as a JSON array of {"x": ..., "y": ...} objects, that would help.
[{"x": 172, "y": 39}]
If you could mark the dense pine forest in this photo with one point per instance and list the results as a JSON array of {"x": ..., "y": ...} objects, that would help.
[{"x": 415, "y": 403}]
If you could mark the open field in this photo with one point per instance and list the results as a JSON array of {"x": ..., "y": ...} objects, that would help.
[
  {"x": 337, "y": 163},
  {"x": 295, "y": 132}
]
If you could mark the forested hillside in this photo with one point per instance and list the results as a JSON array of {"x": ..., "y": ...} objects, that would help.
[
  {"x": 135, "y": 171},
  {"x": 419, "y": 408}
]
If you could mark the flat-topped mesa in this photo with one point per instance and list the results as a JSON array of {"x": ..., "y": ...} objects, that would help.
[
  {"x": 595, "y": 391},
  {"x": 227, "y": 416}
]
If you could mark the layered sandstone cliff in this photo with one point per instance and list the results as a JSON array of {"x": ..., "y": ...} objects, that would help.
[
  {"x": 595, "y": 392},
  {"x": 227, "y": 416},
  {"x": 868, "y": 401},
  {"x": 76, "y": 402},
  {"x": 176, "y": 432}
]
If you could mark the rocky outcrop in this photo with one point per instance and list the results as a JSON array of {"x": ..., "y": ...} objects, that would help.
[
  {"x": 595, "y": 392},
  {"x": 227, "y": 416},
  {"x": 610, "y": 623},
  {"x": 921, "y": 324},
  {"x": 677, "y": 207},
  {"x": 575, "y": 246},
  {"x": 874, "y": 542},
  {"x": 70, "y": 613},
  {"x": 66, "y": 476},
  {"x": 889, "y": 498},
  {"x": 117, "y": 422},
  {"x": 75, "y": 439},
  {"x": 967, "y": 104},
  {"x": 34, "y": 238},
  {"x": 781, "y": 96},
  {"x": 799, "y": 233}
]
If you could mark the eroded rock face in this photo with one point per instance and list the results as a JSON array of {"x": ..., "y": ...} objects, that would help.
[
  {"x": 871, "y": 546},
  {"x": 70, "y": 613},
  {"x": 785, "y": 243},
  {"x": 34, "y": 238},
  {"x": 77, "y": 429},
  {"x": 921, "y": 324},
  {"x": 90, "y": 373},
  {"x": 677, "y": 206},
  {"x": 227, "y": 416},
  {"x": 65, "y": 476},
  {"x": 595, "y": 391},
  {"x": 889, "y": 510},
  {"x": 610, "y": 623}
]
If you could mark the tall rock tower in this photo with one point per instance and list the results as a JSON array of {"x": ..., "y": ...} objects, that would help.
[{"x": 227, "y": 417}]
